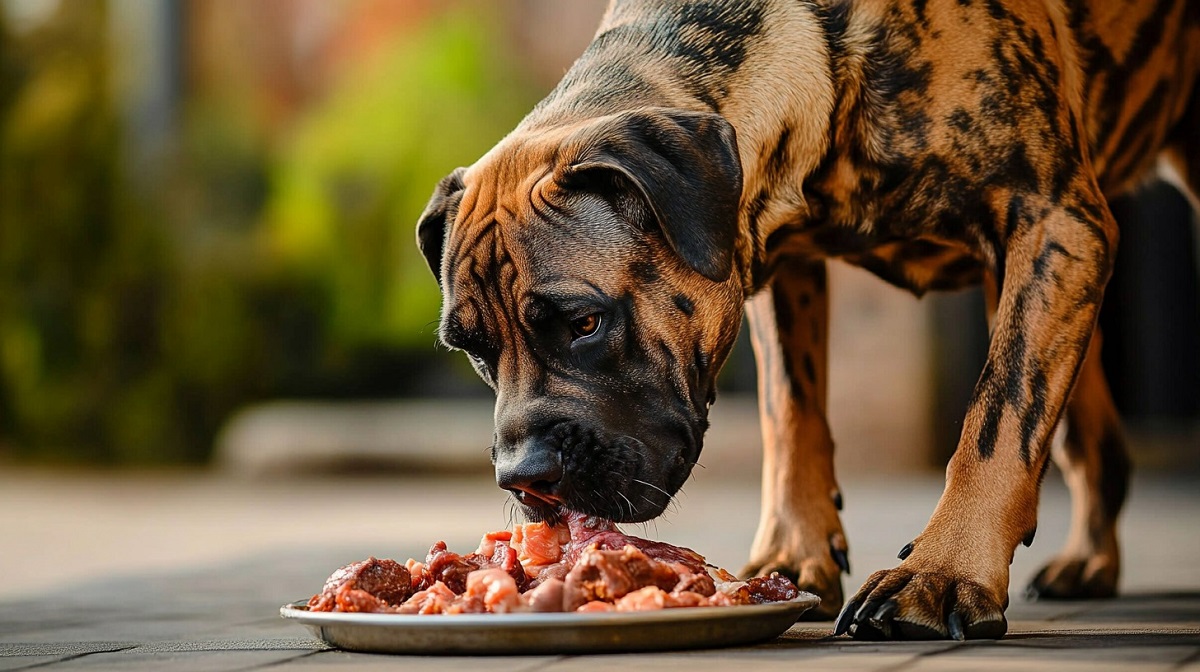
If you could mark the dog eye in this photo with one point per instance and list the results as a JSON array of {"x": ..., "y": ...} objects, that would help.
[{"x": 582, "y": 327}]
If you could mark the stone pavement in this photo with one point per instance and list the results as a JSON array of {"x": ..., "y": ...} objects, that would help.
[{"x": 186, "y": 572}]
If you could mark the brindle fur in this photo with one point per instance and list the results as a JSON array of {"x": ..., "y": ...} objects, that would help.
[{"x": 936, "y": 143}]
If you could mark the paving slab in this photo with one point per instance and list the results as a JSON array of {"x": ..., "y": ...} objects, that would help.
[
  {"x": 190, "y": 661},
  {"x": 27, "y": 656},
  {"x": 188, "y": 572},
  {"x": 803, "y": 647},
  {"x": 369, "y": 662},
  {"x": 8, "y": 663},
  {"x": 1143, "y": 654}
]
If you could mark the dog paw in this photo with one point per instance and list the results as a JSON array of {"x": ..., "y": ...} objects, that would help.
[
  {"x": 817, "y": 573},
  {"x": 911, "y": 603},
  {"x": 1075, "y": 578}
]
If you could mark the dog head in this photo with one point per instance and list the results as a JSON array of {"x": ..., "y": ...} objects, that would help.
[{"x": 587, "y": 271}]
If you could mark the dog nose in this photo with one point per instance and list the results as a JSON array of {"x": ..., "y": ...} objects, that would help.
[{"x": 536, "y": 469}]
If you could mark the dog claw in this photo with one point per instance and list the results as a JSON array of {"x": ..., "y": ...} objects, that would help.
[
  {"x": 955, "y": 625},
  {"x": 906, "y": 551},
  {"x": 882, "y": 620},
  {"x": 839, "y": 556},
  {"x": 845, "y": 618},
  {"x": 866, "y": 611},
  {"x": 1028, "y": 540},
  {"x": 885, "y": 612}
]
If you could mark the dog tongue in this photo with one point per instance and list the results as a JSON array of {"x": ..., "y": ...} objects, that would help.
[{"x": 603, "y": 534}]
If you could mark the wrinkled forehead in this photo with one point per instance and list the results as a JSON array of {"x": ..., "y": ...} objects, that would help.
[{"x": 548, "y": 242}]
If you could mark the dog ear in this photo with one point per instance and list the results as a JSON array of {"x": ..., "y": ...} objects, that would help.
[
  {"x": 431, "y": 227},
  {"x": 682, "y": 165}
]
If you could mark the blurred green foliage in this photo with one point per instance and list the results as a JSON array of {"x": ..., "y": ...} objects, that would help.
[{"x": 135, "y": 319}]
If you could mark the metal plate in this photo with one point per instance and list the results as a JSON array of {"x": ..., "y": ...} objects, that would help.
[{"x": 607, "y": 632}]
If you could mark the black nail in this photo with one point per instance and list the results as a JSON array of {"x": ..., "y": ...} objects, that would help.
[
  {"x": 883, "y": 618},
  {"x": 845, "y": 618},
  {"x": 1028, "y": 540},
  {"x": 868, "y": 609},
  {"x": 839, "y": 556},
  {"x": 837, "y": 499},
  {"x": 954, "y": 621},
  {"x": 906, "y": 551}
]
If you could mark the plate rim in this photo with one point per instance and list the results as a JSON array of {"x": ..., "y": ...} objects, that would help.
[{"x": 298, "y": 611}]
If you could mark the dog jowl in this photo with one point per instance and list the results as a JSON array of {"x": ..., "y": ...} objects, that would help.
[{"x": 704, "y": 160}]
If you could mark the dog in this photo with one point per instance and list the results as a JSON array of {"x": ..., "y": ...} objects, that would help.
[{"x": 701, "y": 159}]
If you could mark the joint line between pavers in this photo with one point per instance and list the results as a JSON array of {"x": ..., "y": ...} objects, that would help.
[
  {"x": 543, "y": 664},
  {"x": 71, "y": 657},
  {"x": 1195, "y": 656},
  {"x": 1068, "y": 615}
]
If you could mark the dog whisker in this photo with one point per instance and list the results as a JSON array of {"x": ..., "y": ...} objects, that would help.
[
  {"x": 631, "y": 507},
  {"x": 510, "y": 505},
  {"x": 651, "y": 485}
]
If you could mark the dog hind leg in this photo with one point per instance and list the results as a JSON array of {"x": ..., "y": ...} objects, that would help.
[
  {"x": 1179, "y": 162},
  {"x": 1096, "y": 467},
  {"x": 1180, "y": 159}
]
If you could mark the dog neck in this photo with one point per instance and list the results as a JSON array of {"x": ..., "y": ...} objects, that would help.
[
  {"x": 765, "y": 67},
  {"x": 781, "y": 104}
]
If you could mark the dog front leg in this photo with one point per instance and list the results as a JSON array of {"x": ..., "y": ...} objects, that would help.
[
  {"x": 799, "y": 532},
  {"x": 953, "y": 581},
  {"x": 1096, "y": 466}
]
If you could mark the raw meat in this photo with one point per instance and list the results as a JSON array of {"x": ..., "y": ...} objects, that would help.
[{"x": 583, "y": 564}]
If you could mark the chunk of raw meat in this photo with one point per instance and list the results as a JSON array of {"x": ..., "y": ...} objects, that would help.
[{"x": 385, "y": 581}]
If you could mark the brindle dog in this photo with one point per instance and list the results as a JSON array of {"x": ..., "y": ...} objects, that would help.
[{"x": 702, "y": 156}]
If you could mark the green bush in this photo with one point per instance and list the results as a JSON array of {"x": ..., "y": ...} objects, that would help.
[{"x": 133, "y": 323}]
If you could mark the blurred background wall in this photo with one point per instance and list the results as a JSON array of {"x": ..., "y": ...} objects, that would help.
[{"x": 206, "y": 205}]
